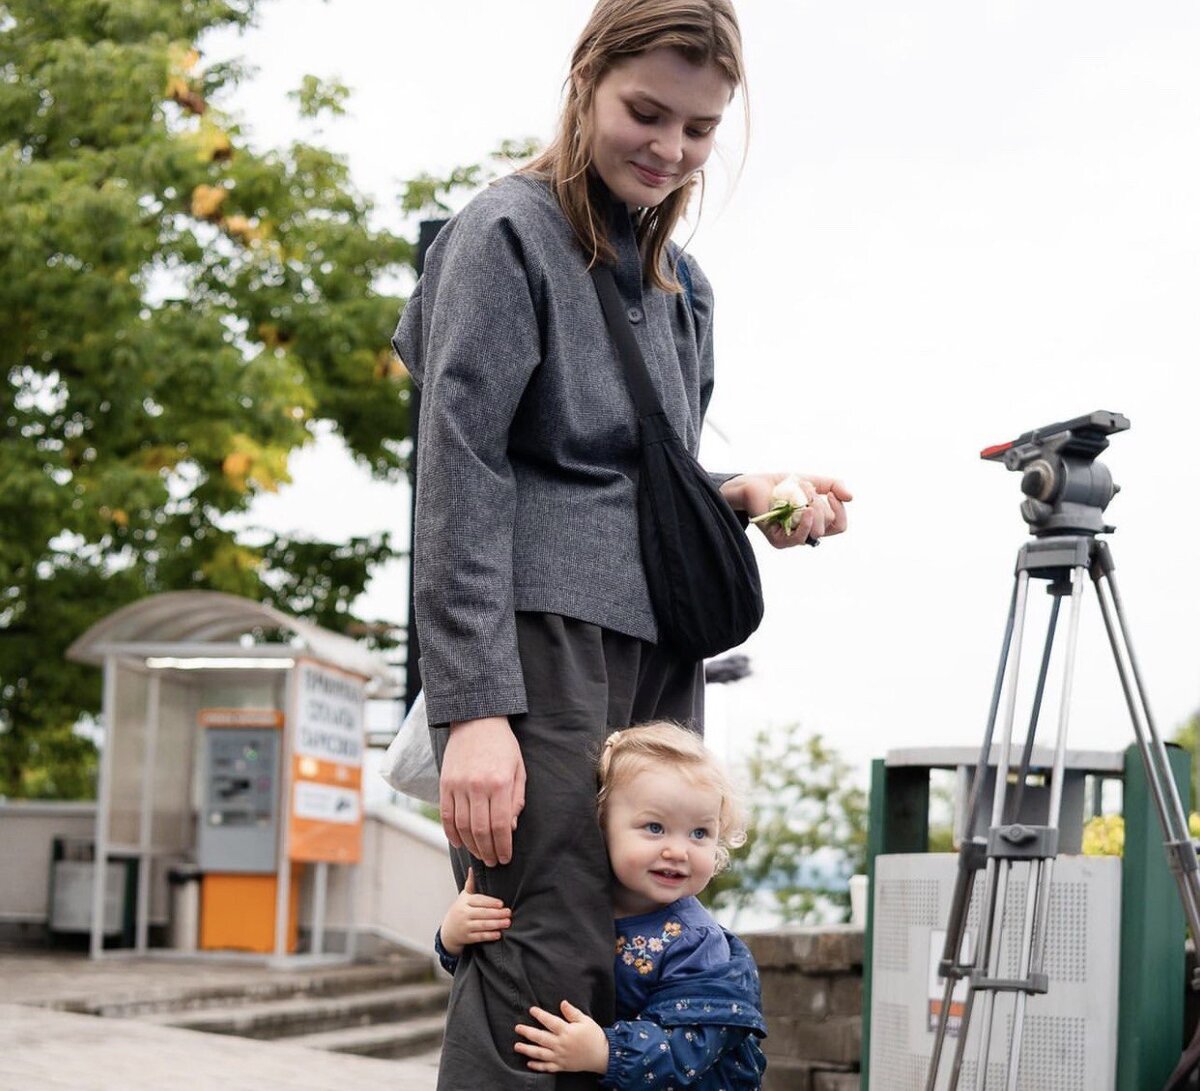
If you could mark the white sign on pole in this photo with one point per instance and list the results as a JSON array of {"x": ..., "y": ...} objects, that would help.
[
  {"x": 329, "y": 715},
  {"x": 325, "y": 803}
]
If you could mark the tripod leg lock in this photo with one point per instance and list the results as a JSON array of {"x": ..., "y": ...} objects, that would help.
[
  {"x": 948, "y": 967},
  {"x": 973, "y": 854},
  {"x": 1034, "y": 983},
  {"x": 1022, "y": 842},
  {"x": 1181, "y": 857}
]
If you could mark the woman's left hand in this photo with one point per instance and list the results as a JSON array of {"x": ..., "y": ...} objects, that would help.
[{"x": 825, "y": 514}]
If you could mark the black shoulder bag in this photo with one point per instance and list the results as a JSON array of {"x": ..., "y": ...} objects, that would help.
[{"x": 700, "y": 567}]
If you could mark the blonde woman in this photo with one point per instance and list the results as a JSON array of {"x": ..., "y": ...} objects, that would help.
[
  {"x": 688, "y": 997},
  {"x": 535, "y": 624}
]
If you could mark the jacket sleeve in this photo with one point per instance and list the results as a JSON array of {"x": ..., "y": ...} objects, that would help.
[
  {"x": 700, "y": 300},
  {"x": 481, "y": 342},
  {"x": 641, "y": 1053}
]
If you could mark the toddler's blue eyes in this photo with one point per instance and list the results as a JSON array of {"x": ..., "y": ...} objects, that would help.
[
  {"x": 699, "y": 833},
  {"x": 654, "y": 827}
]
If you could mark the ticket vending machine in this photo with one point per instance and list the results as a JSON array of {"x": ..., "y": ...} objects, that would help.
[{"x": 237, "y": 843}]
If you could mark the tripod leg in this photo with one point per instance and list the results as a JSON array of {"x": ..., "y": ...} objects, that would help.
[
  {"x": 1027, "y": 754},
  {"x": 1039, "y": 879},
  {"x": 1054, "y": 817},
  {"x": 1037, "y": 890},
  {"x": 995, "y": 880},
  {"x": 1181, "y": 854},
  {"x": 1039, "y": 870},
  {"x": 985, "y": 751},
  {"x": 964, "y": 883},
  {"x": 997, "y": 911},
  {"x": 1010, "y": 709}
]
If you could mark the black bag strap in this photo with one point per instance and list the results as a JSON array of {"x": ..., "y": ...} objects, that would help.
[{"x": 637, "y": 374}]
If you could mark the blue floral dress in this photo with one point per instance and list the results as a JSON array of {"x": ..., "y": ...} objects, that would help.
[{"x": 688, "y": 1005}]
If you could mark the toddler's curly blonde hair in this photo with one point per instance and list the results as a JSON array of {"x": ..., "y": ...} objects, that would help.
[{"x": 669, "y": 746}]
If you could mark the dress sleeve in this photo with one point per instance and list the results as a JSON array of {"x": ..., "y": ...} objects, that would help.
[
  {"x": 449, "y": 962},
  {"x": 703, "y": 949},
  {"x": 481, "y": 340},
  {"x": 641, "y": 1053}
]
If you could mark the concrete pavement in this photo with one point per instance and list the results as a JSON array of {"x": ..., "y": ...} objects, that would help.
[
  {"x": 45, "y": 1045},
  {"x": 44, "y": 1050}
]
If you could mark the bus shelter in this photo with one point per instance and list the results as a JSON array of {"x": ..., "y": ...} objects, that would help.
[{"x": 234, "y": 737}]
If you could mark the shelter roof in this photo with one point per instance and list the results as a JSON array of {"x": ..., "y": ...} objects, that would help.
[{"x": 200, "y": 617}]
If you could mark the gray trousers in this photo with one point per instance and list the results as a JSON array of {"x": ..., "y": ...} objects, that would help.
[{"x": 581, "y": 682}]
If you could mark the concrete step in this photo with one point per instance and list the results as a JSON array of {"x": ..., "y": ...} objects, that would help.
[
  {"x": 330, "y": 981},
  {"x": 305, "y": 1015},
  {"x": 415, "y": 1038}
]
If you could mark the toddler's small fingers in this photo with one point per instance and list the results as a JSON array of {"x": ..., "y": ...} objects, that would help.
[
  {"x": 548, "y": 1020},
  {"x": 536, "y": 1035},
  {"x": 483, "y": 901}
]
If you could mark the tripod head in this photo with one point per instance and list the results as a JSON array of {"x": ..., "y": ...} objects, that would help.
[{"x": 1066, "y": 489}]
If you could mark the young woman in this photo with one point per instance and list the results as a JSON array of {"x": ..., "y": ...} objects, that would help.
[
  {"x": 688, "y": 997},
  {"x": 535, "y": 624}
]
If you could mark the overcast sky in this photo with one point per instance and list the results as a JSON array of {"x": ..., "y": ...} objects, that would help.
[{"x": 956, "y": 222}]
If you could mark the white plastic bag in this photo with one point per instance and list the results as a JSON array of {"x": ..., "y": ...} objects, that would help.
[{"x": 408, "y": 765}]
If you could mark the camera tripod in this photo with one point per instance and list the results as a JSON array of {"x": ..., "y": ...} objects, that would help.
[{"x": 1067, "y": 491}]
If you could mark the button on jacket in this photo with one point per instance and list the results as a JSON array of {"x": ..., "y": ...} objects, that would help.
[{"x": 528, "y": 446}]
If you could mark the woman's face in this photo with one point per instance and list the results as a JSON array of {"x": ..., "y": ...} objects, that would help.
[{"x": 654, "y": 121}]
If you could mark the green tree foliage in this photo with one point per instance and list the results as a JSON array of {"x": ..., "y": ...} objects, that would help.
[
  {"x": 807, "y": 831},
  {"x": 178, "y": 313}
]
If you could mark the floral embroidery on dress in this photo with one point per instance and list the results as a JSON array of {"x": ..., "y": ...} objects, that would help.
[{"x": 636, "y": 951}]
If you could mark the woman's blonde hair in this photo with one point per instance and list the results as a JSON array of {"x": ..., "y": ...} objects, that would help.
[
  {"x": 632, "y": 751},
  {"x": 703, "y": 31}
]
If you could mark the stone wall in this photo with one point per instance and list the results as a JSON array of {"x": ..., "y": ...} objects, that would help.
[{"x": 812, "y": 998}]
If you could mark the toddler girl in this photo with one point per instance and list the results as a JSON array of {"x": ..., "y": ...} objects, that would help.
[{"x": 687, "y": 992}]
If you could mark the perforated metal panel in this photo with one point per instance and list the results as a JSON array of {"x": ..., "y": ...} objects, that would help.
[
  {"x": 901, "y": 905},
  {"x": 1069, "y": 1043}
]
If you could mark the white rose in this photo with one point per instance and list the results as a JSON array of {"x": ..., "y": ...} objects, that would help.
[{"x": 789, "y": 492}]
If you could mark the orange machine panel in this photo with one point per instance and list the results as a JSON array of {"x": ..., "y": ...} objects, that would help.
[{"x": 237, "y": 912}]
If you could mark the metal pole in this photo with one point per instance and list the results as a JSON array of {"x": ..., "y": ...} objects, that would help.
[
  {"x": 356, "y": 873},
  {"x": 108, "y": 715},
  {"x": 283, "y": 803},
  {"x": 320, "y": 879},
  {"x": 145, "y": 839}
]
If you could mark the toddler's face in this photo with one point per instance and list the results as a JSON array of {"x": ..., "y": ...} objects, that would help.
[{"x": 661, "y": 831}]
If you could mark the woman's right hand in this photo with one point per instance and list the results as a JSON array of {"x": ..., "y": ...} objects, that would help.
[{"x": 482, "y": 788}]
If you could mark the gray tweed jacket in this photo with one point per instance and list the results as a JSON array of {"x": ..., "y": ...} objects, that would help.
[{"x": 528, "y": 445}]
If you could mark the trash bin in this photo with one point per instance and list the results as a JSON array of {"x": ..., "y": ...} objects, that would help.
[
  {"x": 184, "y": 926},
  {"x": 72, "y": 874}
]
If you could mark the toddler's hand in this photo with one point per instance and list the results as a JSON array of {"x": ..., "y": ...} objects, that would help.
[
  {"x": 473, "y": 918},
  {"x": 575, "y": 1043}
]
